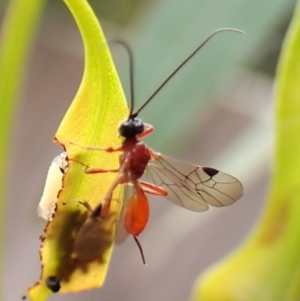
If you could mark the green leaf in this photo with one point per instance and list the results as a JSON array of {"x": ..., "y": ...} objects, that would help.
[
  {"x": 267, "y": 266},
  {"x": 92, "y": 120},
  {"x": 17, "y": 33}
]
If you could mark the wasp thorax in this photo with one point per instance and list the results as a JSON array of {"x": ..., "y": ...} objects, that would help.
[{"x": 131, "y": 127}]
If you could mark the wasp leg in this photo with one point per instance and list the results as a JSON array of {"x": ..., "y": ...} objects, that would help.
[
  {"x": 95, "y": 148},
  {"x": 153, "y": 189},
  {"x": 89, "y": 170},
  {"x": 92, "y": 171}
]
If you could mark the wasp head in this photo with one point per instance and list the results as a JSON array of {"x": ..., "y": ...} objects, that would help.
[{"x": 131, "y": 127}]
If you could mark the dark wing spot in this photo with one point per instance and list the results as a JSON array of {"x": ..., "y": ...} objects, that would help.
[
  {"x": 62, "y": 170},
  {"x": 53, "y": 284},
  {"x": 210, "y": 171}
]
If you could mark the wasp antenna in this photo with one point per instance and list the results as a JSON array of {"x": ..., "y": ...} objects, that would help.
[
  {"x": 130, "y": 56},
  {"x": 183, "y": 63},
  {"x": 140, "y": 248}
]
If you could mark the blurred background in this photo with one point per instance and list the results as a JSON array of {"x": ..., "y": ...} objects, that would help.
[{"x": 217, "y": 111}]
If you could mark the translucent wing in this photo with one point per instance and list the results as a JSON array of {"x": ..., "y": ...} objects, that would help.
[
  {"x": 134, "y": 214},
  {"x": 191, "y": 186},
  {"x": 124, "y": 197}
]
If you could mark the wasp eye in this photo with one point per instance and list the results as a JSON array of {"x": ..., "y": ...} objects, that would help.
[{"x": 131, "y": 127}]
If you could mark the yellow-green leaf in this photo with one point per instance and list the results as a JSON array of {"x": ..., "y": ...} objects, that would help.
[
  {"x": 267, "y": 266},
  {"x": 92, "y": 120},
  {"x": 17, "y": 31}
]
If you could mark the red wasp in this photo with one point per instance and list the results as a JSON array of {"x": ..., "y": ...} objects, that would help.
[{"x": 190, "y": 186}]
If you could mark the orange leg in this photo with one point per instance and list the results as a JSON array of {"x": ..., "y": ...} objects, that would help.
[
  {"x": 153, "y": 189},
  {"x": 108, "y": 196},
  {"x": 102, "y": 209},
  {"x": 86, "y": 205},
  {"x": 89, "y": 171},
  {"x": 103, "y": 149},
  {"x": 92, "y": 171}
]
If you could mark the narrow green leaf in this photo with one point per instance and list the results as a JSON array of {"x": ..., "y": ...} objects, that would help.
[{"x": 17, "y": 32}]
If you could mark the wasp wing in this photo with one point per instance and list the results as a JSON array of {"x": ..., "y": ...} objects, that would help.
[
  {"x": 193, "y": 187},
  {"x": 124, "y": 197}
]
